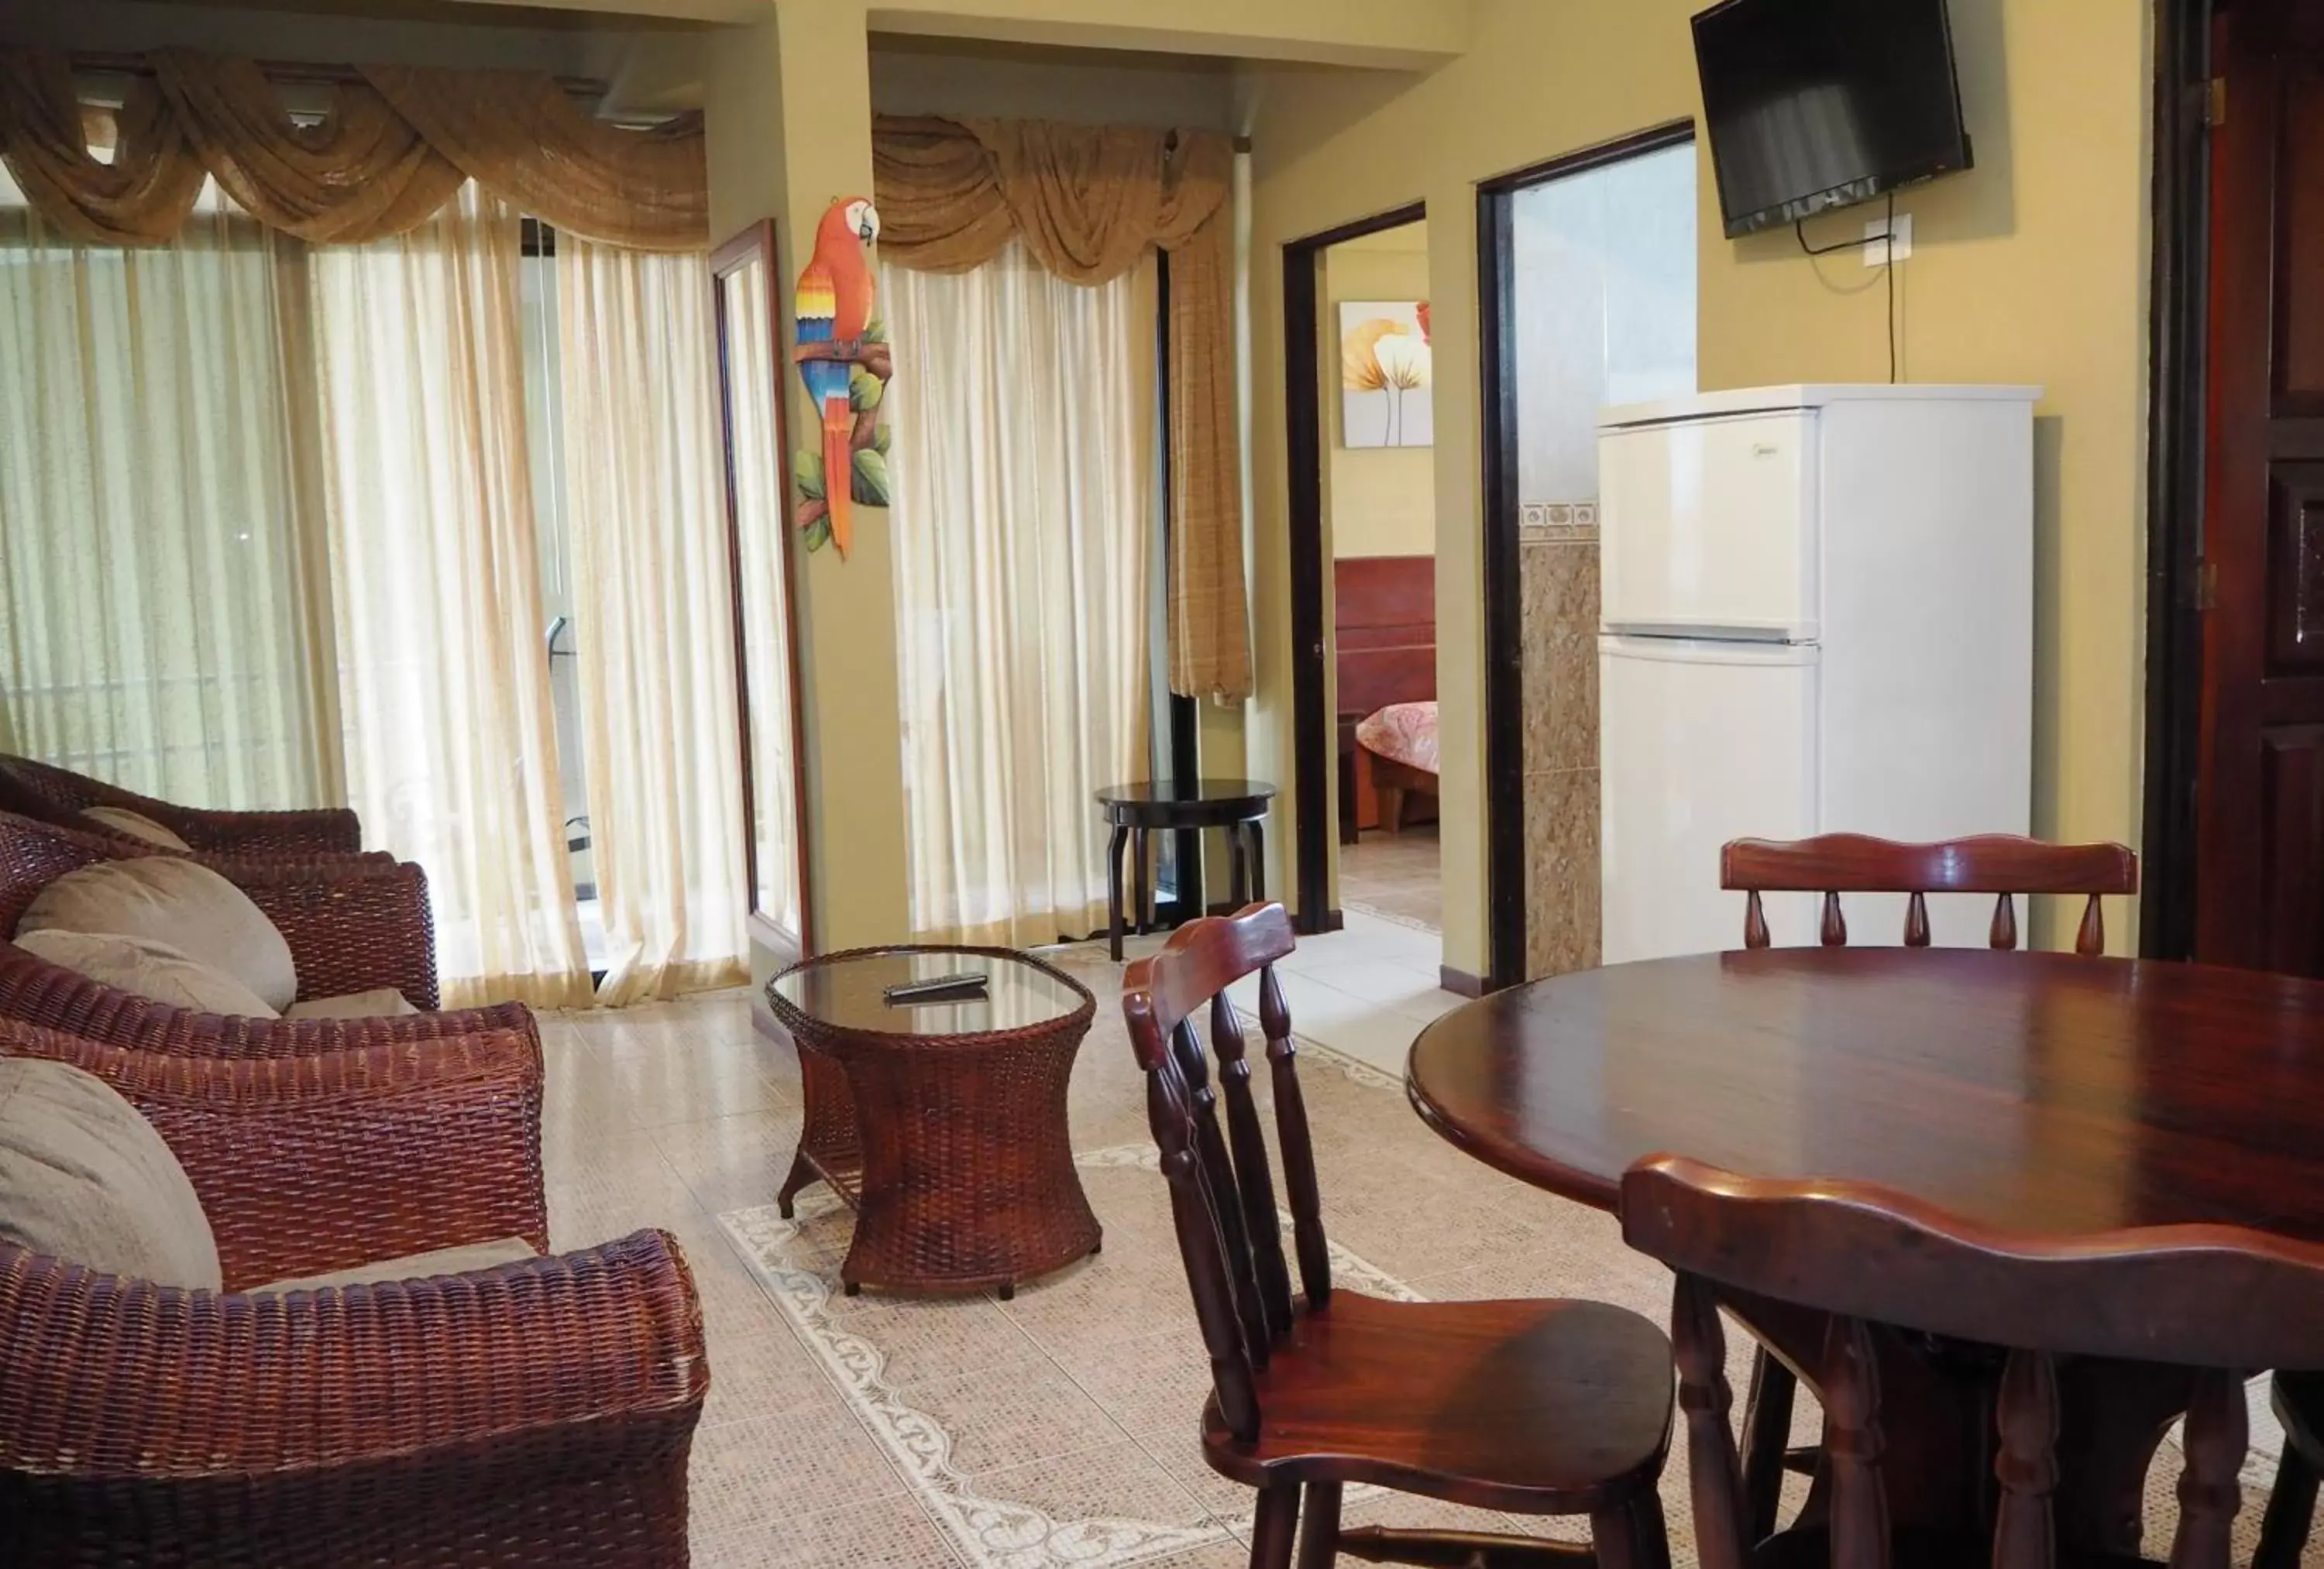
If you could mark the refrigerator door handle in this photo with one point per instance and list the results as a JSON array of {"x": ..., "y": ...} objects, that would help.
[
  {"x": 1707, "y": 650},
  {"x": 1717, "y": 632}
]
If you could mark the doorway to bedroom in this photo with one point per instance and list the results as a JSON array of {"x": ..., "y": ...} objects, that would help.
[{"x": 1380, "y": 525}]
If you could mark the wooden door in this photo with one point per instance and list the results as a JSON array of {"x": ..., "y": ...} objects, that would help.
[{"x": 2260, "y": 801}]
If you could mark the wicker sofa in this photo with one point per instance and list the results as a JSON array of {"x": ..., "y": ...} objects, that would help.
[
  {"x": 532, "y": 1413},
  {"x": 52, "y": 794},
  {"x": 353, "y": 925}
]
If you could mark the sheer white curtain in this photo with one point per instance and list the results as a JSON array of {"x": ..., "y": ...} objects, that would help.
[
  {"x": 1024, "y": 412},
  {"x": 654, "y": 611},
  {"x": 443, "y": 672},
  {"x": 161, "y": 588}
]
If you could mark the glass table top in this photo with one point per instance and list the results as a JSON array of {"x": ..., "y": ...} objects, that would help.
[{"x": 848, "y": 992}]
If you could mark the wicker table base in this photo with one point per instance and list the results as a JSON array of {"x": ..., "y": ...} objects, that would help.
[{"x": 952, "y": 1147}]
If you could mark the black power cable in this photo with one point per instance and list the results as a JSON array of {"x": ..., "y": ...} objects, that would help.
[{"x": 1800, "y": 230}]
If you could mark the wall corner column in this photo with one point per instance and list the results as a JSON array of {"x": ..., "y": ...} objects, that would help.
[{"x": 788, "y": 118}]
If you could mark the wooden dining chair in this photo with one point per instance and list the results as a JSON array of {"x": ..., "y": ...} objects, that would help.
[
  {"x": 1540, "y": 1407},
  {"x": 1878, "y": 1262},
  {"x": 2001, "y": 864},
  {"x": 1833, "y": 864}
]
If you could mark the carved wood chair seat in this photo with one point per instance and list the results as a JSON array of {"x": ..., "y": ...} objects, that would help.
[
  {"x": 1877, "y": 1261},
  {"x": 1541, "y": 1407},
  {"x": 1498, "y": 1404}
]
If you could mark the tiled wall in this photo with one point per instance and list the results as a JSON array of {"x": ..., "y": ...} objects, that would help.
[{"x": 1558, "y": 579}]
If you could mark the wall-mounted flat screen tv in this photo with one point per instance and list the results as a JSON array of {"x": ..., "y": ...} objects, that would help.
[{"x": 1819, "y": 104}]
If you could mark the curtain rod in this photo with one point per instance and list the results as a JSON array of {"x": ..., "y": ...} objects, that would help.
[{"x": 296, "y": 72}]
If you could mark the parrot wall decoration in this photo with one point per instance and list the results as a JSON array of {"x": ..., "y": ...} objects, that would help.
[{"x": 845, "y": 365}]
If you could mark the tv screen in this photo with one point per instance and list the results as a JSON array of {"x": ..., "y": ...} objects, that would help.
[{"x": 1816, "y": 103}]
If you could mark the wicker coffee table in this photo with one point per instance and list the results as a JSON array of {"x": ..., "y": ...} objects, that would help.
[{"x": 942, "y": 1125}]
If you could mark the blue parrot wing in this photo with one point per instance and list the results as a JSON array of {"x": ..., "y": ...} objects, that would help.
[{"x": 824, "y": 379}]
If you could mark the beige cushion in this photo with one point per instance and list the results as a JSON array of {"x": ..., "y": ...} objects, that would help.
[
  {"x": 380, "y": 1003},
  {"x": 181, "y": 902},
  {"x": 459, "y": 1260},
  {"x": 146, "y": 969},
  {"x": 83, "y": 1177},
  {"x": 135, "y": 824}
]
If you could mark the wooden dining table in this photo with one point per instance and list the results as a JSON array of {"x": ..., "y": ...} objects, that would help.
[{"x": 2043, "y": 1095}]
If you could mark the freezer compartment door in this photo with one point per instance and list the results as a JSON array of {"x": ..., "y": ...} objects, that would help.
[
  {"x": 1698, "y": 743},
  {"x": 1708, "y": 528}
]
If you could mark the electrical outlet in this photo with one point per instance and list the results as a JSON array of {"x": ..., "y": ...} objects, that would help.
[{"x": 1876, "y": 240}]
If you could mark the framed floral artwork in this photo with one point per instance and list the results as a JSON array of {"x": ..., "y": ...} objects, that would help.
[{"x": 1386, "y": 374}]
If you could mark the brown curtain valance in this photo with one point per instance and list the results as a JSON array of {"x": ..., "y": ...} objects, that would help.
[
  {"x": 388, "y": 152},
  {"x": 1089, "y": 202}
]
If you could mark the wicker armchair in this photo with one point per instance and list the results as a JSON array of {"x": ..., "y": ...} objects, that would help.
[
  {"x": 351, "y": 925},
  {"x": 52, "y": 794},
  {"x": 533, "y": 1413}
]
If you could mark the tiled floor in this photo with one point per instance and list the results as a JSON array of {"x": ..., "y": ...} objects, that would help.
[
  {"x": 1398, "y": 878},
  {"x": 1366, "y": 990},
  {"x": 1057, "y": 1428}
]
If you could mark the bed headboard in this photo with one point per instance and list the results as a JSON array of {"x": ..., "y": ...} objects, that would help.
[{"x": 1385, "y": 623}]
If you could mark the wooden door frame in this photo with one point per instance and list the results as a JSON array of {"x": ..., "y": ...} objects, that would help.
[
  {"x": 1313, "y": 745},
  {"x": 1505, "y": 847},
  {"x": 2178, "y": 352},
  {"x": 758, "y": 243}
]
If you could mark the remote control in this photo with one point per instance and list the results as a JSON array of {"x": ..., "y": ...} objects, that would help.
[{"x": 939, "y": 989}]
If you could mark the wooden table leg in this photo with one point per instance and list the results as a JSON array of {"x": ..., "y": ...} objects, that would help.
[
  {"x": 1767, "y": 1435},
  {"x": 1257, "y": 857},
  {"x": 1937, "y": 1418},
  {"x": 1113, "y": 847},
  {"x": 1142, "y": 852},
  {"x": 1934, "y": 1418},
  {"x": 2113, "y": 1416}
]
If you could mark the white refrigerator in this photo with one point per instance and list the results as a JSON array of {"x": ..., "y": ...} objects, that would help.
[{"x": 1817, "y": 616}]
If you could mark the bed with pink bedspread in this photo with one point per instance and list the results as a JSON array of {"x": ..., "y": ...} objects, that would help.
[
  {"x": 1402, "y": 732},
  {"x": 1385, "y": 620}
]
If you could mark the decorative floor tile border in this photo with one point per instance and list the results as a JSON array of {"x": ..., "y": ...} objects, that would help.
[{"x": 990, "y": 1533}]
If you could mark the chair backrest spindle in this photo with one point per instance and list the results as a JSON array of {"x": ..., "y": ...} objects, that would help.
[
  {"x": 1222, "y": 1192},
  {"x": 1298, "y": 1148},
  {"x": 2026, "y": 1465},
  {"x": 1194, "y": 1219},
  {"x": 1916, "y": 920},
  {"x": 1248, "y": 1144},
  {"x": 1715, "y": 1470},
  {"x": 2210, "y": 1489},
  {"x": 1853, "y": 1445}
]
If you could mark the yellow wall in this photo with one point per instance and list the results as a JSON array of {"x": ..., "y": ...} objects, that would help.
[
  {"x": 787, "y": 115},
  {"x": 1380, "y": 33},
  {"x": 484, "y": 38},
  {"x": 2031, "y": 268},
  {"x": 1377, "y": 501},
  {"x": 965, "y": 78}
]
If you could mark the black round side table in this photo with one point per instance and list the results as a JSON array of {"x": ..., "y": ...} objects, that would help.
[{"x": 1137, "y": 811}]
